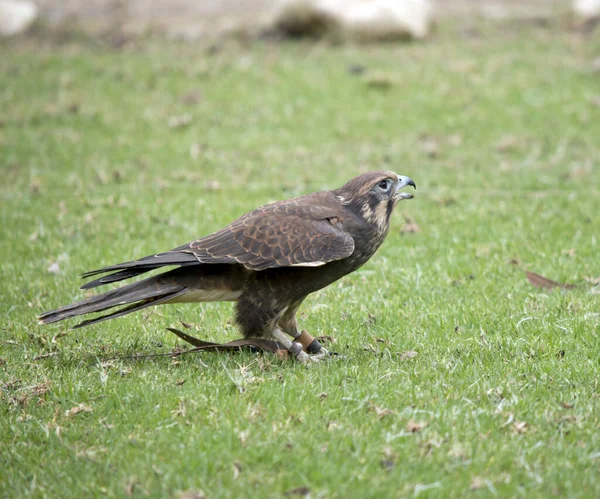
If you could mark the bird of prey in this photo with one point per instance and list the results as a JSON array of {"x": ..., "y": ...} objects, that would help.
[{"x": 267, "y": 261}]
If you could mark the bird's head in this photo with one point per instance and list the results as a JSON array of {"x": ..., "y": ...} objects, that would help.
[{"x": 374, "y": 195}]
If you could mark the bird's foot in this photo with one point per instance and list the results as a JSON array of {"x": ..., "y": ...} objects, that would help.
[
  {"x": 301, "y": 356},
  {"x": 298, "y": 353}
]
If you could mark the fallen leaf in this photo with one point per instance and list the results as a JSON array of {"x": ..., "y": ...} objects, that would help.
[
  {"x": 507, "y": 143},
  {"x": 180, "y": 411},
  {"x": 41, "y": 389},
  {"x": 410, "y": 226},
  {"x": 78, "y": 410},
  {"x": 299, "y": 491},
  {"x": 333, "y": 425},
  {"x": 212, "y": 185},
  {"x": 356, "y": 69},
  {"x": 180, "y": 121},
  {"x": 192, "y": 97},
  {"x": 430, "y": 146},
  {"x": 195, "y": 150},
  {"x": 455, "y": 140},
  {"x": 542, "y": 282},
  {"x": 243, "y": 436},
  {"x": 380, "y": 411},
  {"x": 520, "y": 426},
  {"x": 54, "y": 268},
  {"x": 35, "y": 185},
  {"x": 45, "y": 356},
  {"x": 380, "y": 81},
  {"x": 477, "y": 483},
  {"x": 415, "y": 426},
  {"x": 191, "y": 494},
  {"x": 409, "y": 354},
  {"x": 566, "y": 405},
  {"x": 237, "y": 469},
  {"x": 387, "y": 464},
  {"x": 130, "y": 486}
]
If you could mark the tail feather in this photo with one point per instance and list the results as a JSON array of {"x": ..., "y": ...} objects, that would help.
[
  {"x": 150, "y": 291},
  {"x": 167, "y": 258},
  {"x": 131, "y": 308},
  {"x": 122, "y": 274}
]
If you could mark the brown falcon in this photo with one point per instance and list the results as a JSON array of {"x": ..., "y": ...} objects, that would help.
[{"x": 267, "y": 261}]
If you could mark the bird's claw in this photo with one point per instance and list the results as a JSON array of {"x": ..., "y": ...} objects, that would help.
[{"x": 297, "y": 352}]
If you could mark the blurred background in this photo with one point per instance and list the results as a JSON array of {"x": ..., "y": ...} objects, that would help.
[
  {"x": 198, "y": 19},
  {"x": 132, "y": 127}
]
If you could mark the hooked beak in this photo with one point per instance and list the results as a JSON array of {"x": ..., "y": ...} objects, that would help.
[{"x": 403, "y": 182}]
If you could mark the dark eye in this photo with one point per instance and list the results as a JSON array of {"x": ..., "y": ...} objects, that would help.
[{"x": 385, "y": 185}]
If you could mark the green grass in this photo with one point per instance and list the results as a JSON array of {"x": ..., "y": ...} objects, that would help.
[{"x": 501, "y": 132}]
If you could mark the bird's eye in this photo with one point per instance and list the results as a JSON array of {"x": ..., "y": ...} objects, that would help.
[{"x": 385, "y": 185}]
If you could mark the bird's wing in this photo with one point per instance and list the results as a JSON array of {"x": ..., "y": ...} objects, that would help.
[
  {"x": 263, "y": 240},
  {"x": 285, "y": 234}
]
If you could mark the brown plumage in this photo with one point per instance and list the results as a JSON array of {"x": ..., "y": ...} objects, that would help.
[{"x": 267, "y": 261}]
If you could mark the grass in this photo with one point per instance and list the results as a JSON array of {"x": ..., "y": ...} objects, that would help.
[{"x": 500, "y": 129}]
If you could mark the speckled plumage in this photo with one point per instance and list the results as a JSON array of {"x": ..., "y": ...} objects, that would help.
[{"x": 267, "y": 261}]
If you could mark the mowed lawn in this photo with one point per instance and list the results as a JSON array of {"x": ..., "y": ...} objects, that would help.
[{"x": 458, "y": 376}]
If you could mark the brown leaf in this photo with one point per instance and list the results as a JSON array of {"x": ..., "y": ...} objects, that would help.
[
  {"x": 455, "y": 140},
  {"x": 387, "y": 464},
  {"x": 298, "y": 491},
  {"x": 192, "y": 97},
  {"x": 520, "y": 426},
  {"x": 477, "y": 483},
  {"x": 45, "y": 355},
  {"x": 181, "y": 121},
  {"x": 410, "y": 226},
  {"x": 507, "y": 143},
  {"x": 380, "y": 411},
  {"x": 542, "y": 282},
  {"x": 380, "y": 81},
  {"x": 237, "y": 469},
  {"x": 78, "y": 410},
  {"x": 54, "y": 268},
  {"x": 415, "y": 426},
  {"x": 409, "y": 354},
  {"x": 191, "y": 494},
  {"x": 431, "y": 147},
  {"x": 566, "y": 405}
]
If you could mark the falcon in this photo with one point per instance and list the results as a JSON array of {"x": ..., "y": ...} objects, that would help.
[{"x": 267, "y": 261}]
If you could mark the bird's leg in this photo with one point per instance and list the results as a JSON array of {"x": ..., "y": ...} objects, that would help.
[
  {"x": 289, "y": 325},
  {"x": 293, "y": 347}
]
